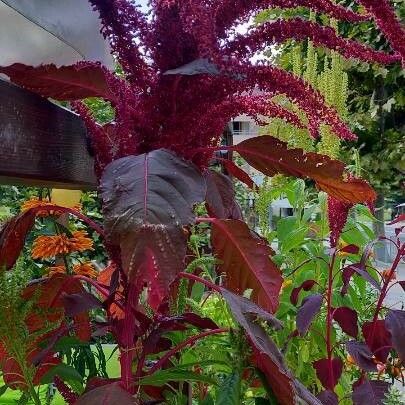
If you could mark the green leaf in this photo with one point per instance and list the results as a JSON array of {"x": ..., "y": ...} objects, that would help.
[
  {"x": 208, "y": 400},
  {"x": 262, "y": 401},
  {"x": 162, "y": 377},
  {"x": 63, "y": 371},
  {"x": 229, "y": 391},
  {"x": 3, "y": 389},
  {"x": 68, "y": 342}
]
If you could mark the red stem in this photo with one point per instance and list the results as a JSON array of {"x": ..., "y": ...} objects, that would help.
[
  {"x": 384, "y": 290},
  {"x": 127, "y": 348},
  {"x": 191, "y": 340},
  {"x": 201, "y": 280},
  {"x": 76, "y": 213},
  {"x": 329, "y": 317}
]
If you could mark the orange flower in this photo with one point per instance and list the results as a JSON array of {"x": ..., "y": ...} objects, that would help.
[
  {"x": 80, "y": 242},
  {"x": 35, "y": 202},
  {"x": 46, "y": 246},
  {"x": 56, "y": 270},
  {"x": 85, "y": 269}
]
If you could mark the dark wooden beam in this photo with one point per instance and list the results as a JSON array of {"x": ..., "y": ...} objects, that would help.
[{"x": 41, "y": 143}]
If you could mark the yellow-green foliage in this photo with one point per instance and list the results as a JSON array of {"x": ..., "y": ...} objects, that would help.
[{"x": 332, "y": 82}]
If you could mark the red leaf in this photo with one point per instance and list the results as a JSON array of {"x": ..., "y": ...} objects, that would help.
[
  {"x": 306, "y": 286},
  {"x": 82, "y": 80},
  {"x": 362, "y": 355},
  {"x": 310, "y": 307},
  {"x": 378, "y": 339},
  {"x": 51, "y": 292},
  {"x": 106, "y": 395},
  {"x": 347, "y": 274},
  {"x": 246, "y": 263},
  {"x": 400, "y": 218},
  {"x": 271, "y": 156},
  {"x": 328, "y": 373},
  {"x": 347, "y": 320},
  {"x": 370, "y": 392},
  {"x": 12, "y": 238},
  {"x": 220, "y": 197},
  {"x": 395, "y": 324},
  {"x": 13, "y": 374},
  {"x": 351, "y": 249},
  {"x": 146, "y": 201},
  {"x": 78, "y": 303},
  {"x": 237, "y": 172}
]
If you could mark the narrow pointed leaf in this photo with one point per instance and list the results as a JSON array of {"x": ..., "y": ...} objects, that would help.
[
  {"x": 242, "y": 308},
  {"x": 12, "y": 238},
  {"x": 395, "y": 324},
  {"x": 271, "y": 156},
  {"x": 67, "y": 83},
  {"x": 220, "y": 196},
  {"x": 310, "y": 307},
  {"x": 245, "y": 261},
  {"x": 306, "y": 286},
  {"x": 235, "y": 171},
  {"x": 363, "y": 273}
]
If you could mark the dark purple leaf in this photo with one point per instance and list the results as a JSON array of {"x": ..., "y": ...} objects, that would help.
[
  {"x": 75, "y": 304},
  {"x": 362, "y": 355},
  {"x": 363, "y": 273},
  {"x": 370, "y": 392},
  {"x": 245, "y": 260},
  {"x": 347, "y": 320},
  {"x": 402, "y": 284},
  {"x": 347, "y": 274},
  {"x": 351, "y": 249},
  {"x": 328, "y": 398},
  {"x": 266, "y": 356},
  {"x": 378, "y": 339},
  {"x": 242, "y": 309},
  {"x": 220, "y": 196},
  {"x": 146, "y": 201},
  {"x": 395, "y": 324},
  {"x": 196, "y": 67},
  {"x": 107, "y": 394},
  {"x": 198, "y": 321},
  {"x": 306, "y": 286},
  {"x": 311, "y": 305},
  {"x": 328, "y": 373}
]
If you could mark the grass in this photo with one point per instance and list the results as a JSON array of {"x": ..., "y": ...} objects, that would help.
[{"x": 11, "y": 396}]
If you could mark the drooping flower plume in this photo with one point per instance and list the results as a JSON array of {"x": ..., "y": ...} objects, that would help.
[{"x": 189, "y": 109}]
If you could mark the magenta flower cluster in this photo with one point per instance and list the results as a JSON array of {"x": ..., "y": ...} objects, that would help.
[{"x": 189, "y": 110}]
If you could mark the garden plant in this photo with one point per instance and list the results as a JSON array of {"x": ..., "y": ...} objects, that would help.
[{"x": 173, "y": 231}]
